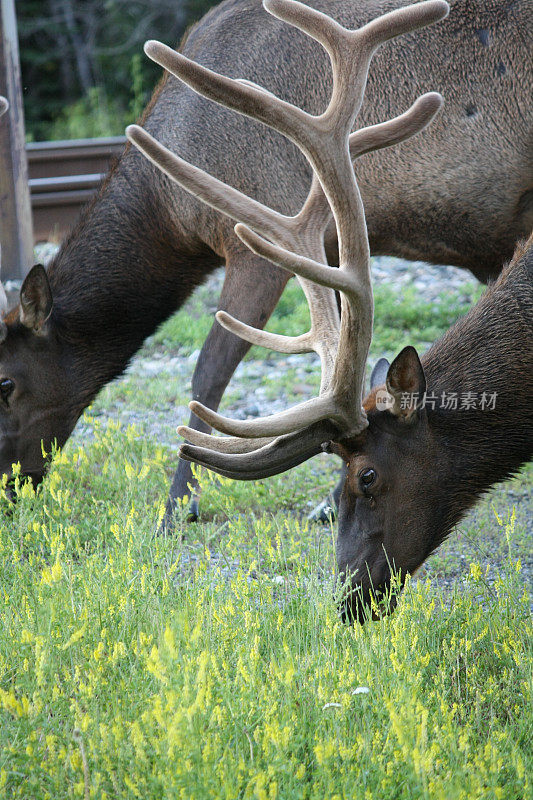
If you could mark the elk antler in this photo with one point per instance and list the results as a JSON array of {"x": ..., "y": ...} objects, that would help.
[{"x": 297, "y": 243}]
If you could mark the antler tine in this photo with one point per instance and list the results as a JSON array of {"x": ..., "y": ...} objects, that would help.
[
  {"x": 403, "y": 20},
  {"x": 242, "y": 96},
  {"x": 223, "y": 198},
  {"x": 292, "y": 419},
  {"x": 222, "y": 444},
  {"x": 398, "y": 129},
  {"x": 4, "y": 105},
  {"x": 274, "y": 341}
]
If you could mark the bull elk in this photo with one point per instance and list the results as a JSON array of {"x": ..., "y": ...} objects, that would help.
[
  {"x": 413, "y": 468},
  {"x": 462, "y": 194}
]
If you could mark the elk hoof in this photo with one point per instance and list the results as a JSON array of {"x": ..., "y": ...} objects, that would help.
[
  {"x": 323, "y": 513},
  {"x": 193, "y": 512}
]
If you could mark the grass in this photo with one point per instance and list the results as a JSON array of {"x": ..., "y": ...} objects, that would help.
[{"x": 214, "y": 664}]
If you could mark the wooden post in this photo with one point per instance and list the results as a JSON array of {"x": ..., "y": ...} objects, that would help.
[{"x": 16, "y": 237}]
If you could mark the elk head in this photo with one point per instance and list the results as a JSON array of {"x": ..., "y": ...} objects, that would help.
[
  {"x": 32, "y": 356},
  {"x": 31, "y": 420},
  {"x": 259, "y": 448},
  {"x": 391, "y": 513}
]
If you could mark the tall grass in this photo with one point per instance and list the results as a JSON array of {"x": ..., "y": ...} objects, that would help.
[{"x": 214, "y": 665}]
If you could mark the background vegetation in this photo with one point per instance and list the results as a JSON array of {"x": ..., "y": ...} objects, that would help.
[{"x": 83, "y": 68}]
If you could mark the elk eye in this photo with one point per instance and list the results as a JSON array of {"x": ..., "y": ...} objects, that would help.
[
  {"x": 6, "y": 388},
  {"x": 367, "y": 477}
]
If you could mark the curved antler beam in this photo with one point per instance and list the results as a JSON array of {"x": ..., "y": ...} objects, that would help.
[
  {"x": 278, "y": 456},
  {"x": 297, "y": 243},
  {"x": 295, "y": 418}
]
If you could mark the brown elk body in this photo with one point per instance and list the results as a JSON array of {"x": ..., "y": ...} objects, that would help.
[{"x": 461, "y": 193}]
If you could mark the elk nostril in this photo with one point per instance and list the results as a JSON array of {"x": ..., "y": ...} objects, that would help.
[
  {"x": 360, "y": 602},
  {"x": 354, "y": 604},
  {"x": 355, "y": 609}
]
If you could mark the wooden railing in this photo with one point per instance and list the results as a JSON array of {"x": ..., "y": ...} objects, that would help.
[{"x": 63, "y": 176}]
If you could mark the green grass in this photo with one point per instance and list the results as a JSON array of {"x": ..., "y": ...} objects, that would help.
[
  {"x": 214, "y": 664},
  {"x": 203, "y": 667}
]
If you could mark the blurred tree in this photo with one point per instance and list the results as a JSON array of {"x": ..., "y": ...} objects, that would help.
[{"x": 83, "y": 69}]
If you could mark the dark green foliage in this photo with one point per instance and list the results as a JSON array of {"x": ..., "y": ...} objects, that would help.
[{"x": 83, "y": 69}]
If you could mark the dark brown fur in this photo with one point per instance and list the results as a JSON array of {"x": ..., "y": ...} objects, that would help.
[
  {"x": 432, "y": 468},
  {"x": 460, "y": 193}
]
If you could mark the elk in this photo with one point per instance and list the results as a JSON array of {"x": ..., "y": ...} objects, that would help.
[
  {"x": 4, "y": 105},
  {"x": 461, "y": 195},
  {"x": 413, "y": 468}
]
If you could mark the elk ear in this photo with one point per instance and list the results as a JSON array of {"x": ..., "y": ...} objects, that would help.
[
  {"x": 35, "y": 299},
  {"x": 379, "y": 373},
  {"x": 406, "y": 383}
]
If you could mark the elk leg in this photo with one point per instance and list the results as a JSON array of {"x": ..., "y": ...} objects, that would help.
[{"x": 251, "y": 290}]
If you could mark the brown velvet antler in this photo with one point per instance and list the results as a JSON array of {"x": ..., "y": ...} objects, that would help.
[{"x": 297, "y": 243}]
